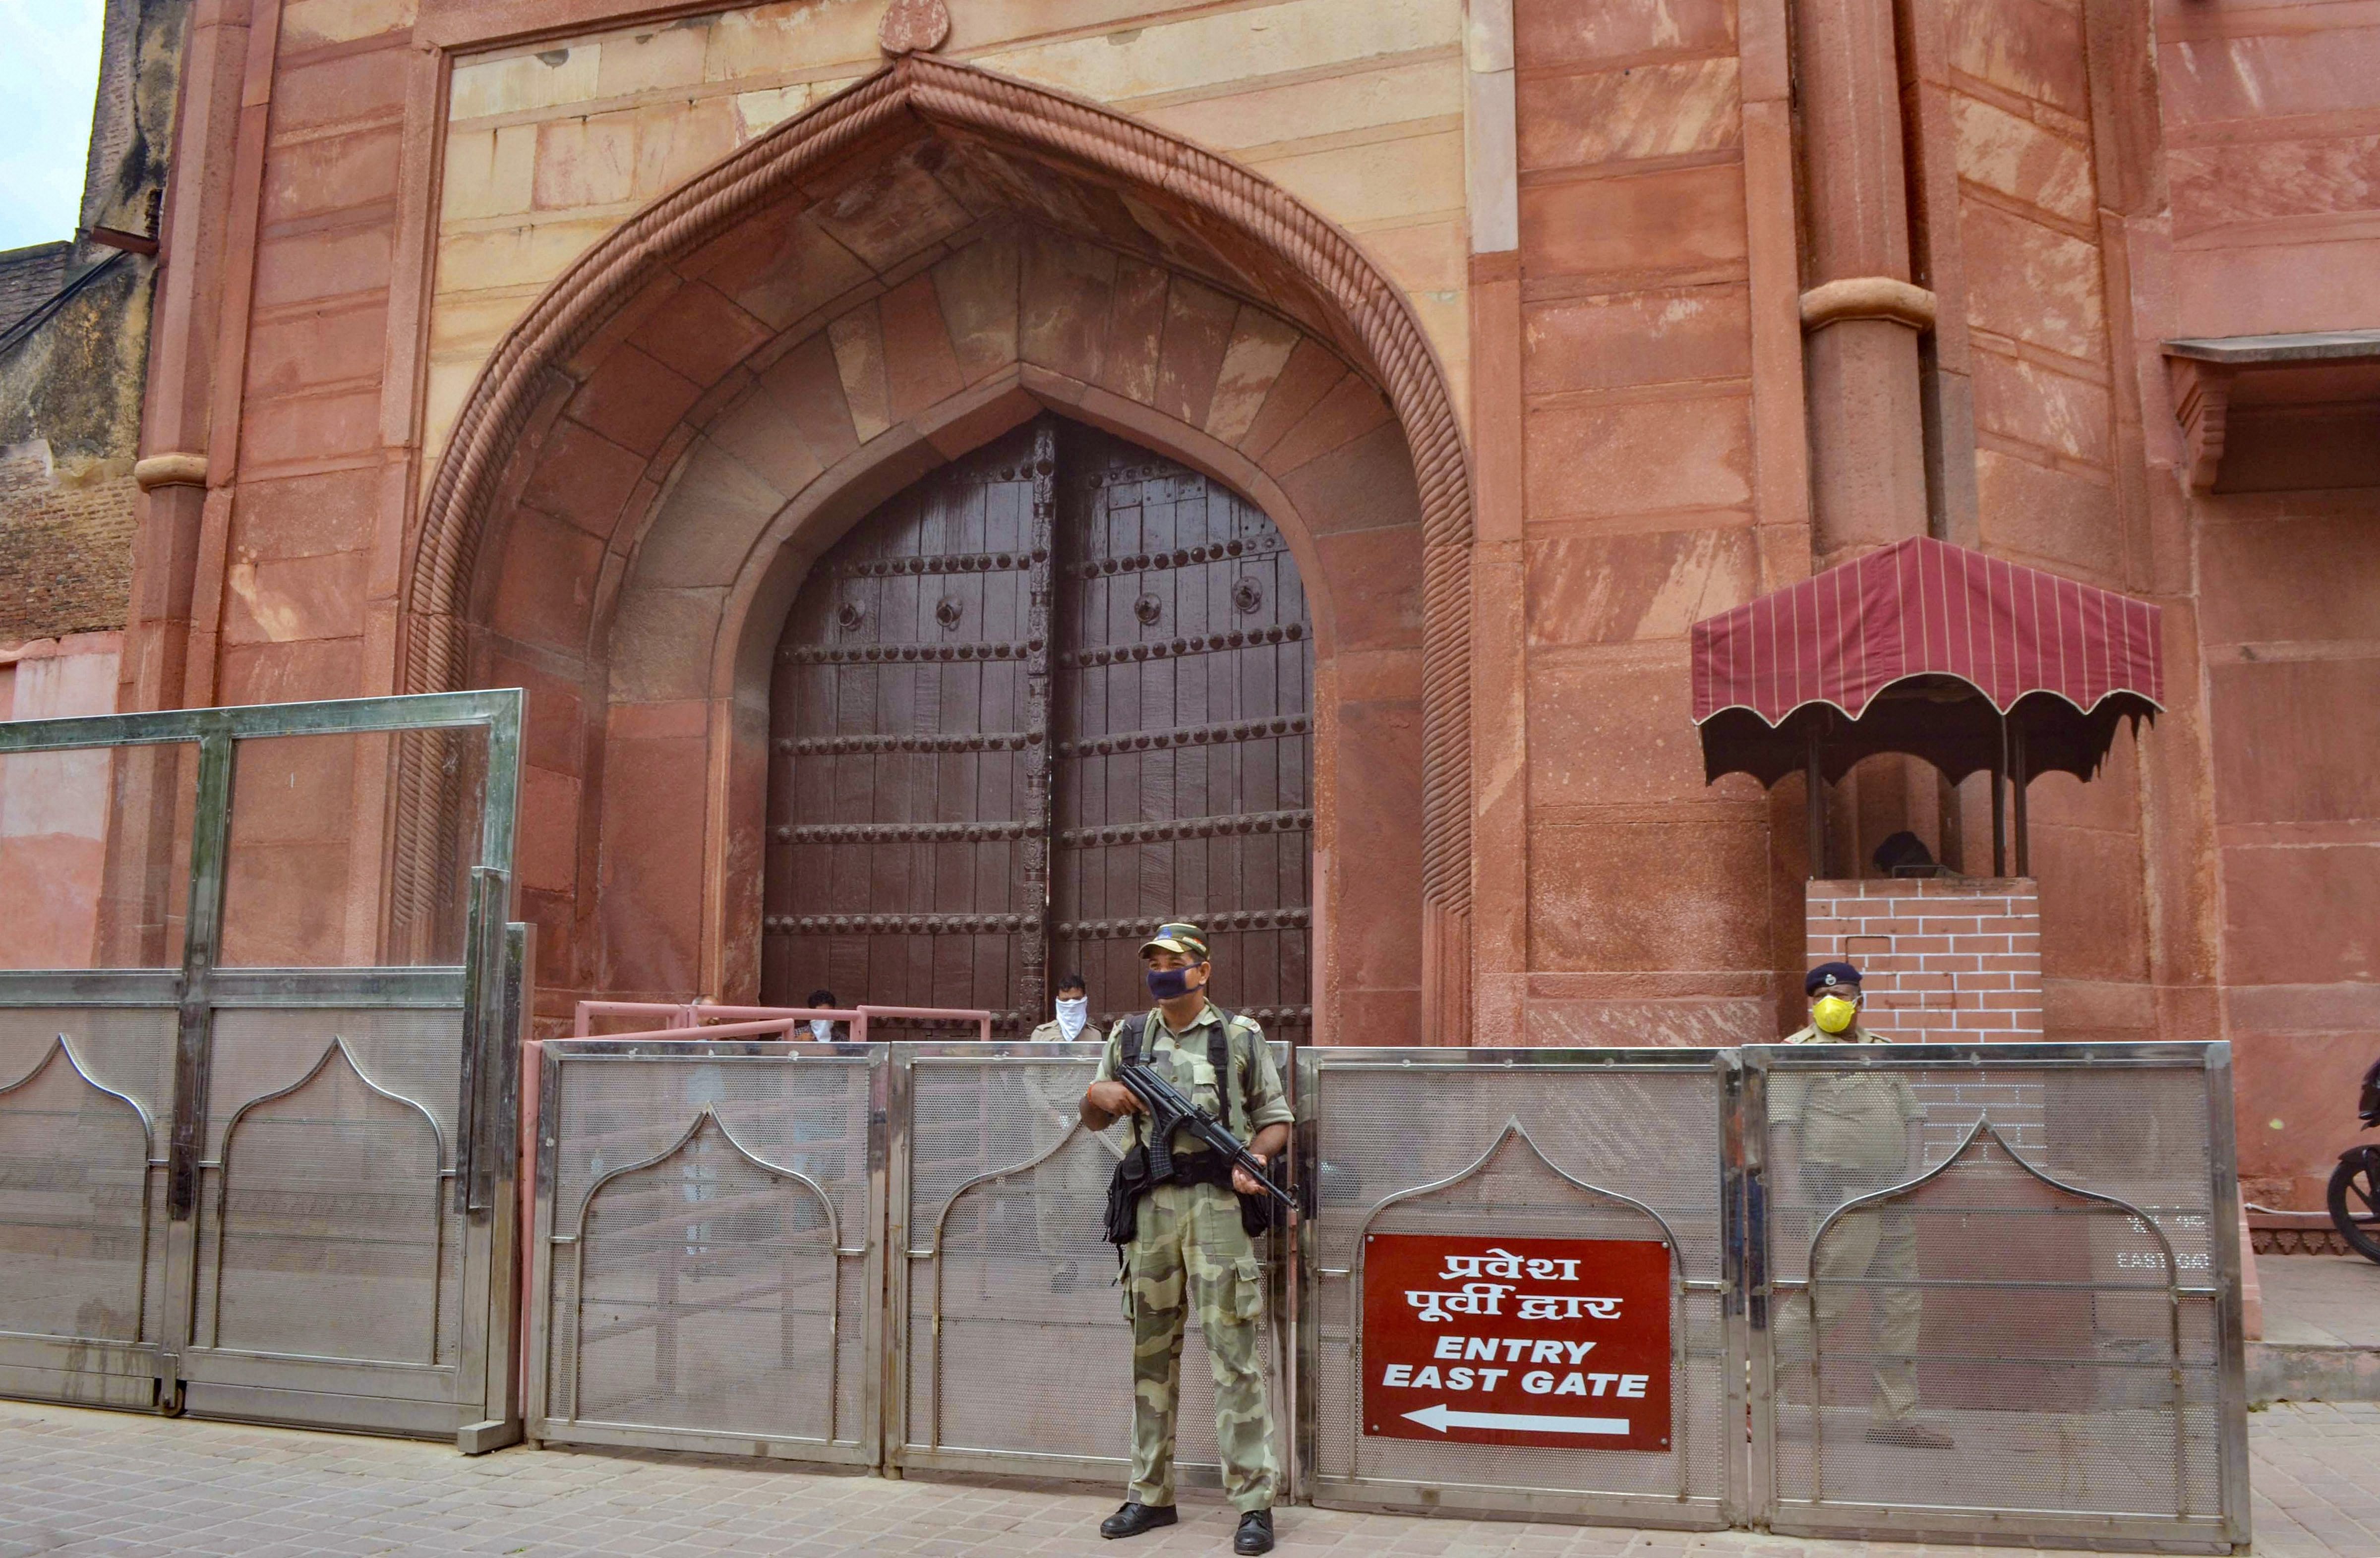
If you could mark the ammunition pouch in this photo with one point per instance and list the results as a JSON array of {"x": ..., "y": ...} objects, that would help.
[
  {"x": 1126, "y": 1186},
  {"x": 1132, "y": 1179}
]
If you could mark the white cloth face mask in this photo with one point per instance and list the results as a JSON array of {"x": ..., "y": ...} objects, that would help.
[
  {"x": 822, "y": 1028},
  {"x": 1072, "y": 1014}
]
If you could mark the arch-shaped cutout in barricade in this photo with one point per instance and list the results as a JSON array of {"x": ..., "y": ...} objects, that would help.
[
  {"x": 706, "y": 1256},
  {"x": 78, "y": 1153},
  {"x": 1010, "y": 1353},
  {"x": 2002, "y": 1292},
  {"x": 1515, "y": 1269},
  {"x": 265, "y": 1173}
]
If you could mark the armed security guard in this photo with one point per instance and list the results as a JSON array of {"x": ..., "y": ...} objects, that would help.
[
  {"x": 1189, "y": 1244},
  {"x": 1845, "y": 1134}
]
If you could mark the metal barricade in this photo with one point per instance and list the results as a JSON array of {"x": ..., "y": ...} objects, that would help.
[
  {"x": 1573, "y": 1170},
  {"x": 709, "y": 1262},
  {"x": 1996, "y": 1293},
  {"x": 256, "y": 1153},
  {"x": 1010, "y": 1351}
]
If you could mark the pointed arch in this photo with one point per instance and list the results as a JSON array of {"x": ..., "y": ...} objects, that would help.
[
  {"x": 1278, "y": 250},
  {"x": 709, "y": 1120},
  {"x": 338, "y": 1048},
  {"x": 63, "y": 1047},
  {"x": 1515, "y": 1130},
  {"x": 367, "y": 1235}
]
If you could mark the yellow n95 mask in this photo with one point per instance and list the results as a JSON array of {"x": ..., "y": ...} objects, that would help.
[{"x": 1833, "y": 1014}]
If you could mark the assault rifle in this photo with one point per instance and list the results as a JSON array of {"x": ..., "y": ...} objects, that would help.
[{"x": 1168, "y": 1110}]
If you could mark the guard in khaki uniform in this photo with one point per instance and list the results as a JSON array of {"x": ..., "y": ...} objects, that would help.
[
  {"x": 1190, "y": 1247},
  {"x": 1074, "y": 1012},
  {"x": 1844, "y": 1136}
]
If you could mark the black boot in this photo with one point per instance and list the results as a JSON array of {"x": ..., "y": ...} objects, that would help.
[
  {"x": 1135, "y": 1518},
  {"x": 1254, "y": 1534}
]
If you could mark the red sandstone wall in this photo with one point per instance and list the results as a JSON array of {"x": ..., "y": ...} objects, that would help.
[
  {"x": 2092, "y": 180},
  {"x": 1641, "y": 516},
  {"x": 2028, "y": 269},
  {"x": 54, "y": 804},
  {"x": 2269, "y": 119}
]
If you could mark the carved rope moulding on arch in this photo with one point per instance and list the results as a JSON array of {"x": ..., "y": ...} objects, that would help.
[{"x": 941, "y": 92}]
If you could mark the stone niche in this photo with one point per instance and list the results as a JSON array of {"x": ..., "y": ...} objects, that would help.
[{"x": 1947, "y": 959}]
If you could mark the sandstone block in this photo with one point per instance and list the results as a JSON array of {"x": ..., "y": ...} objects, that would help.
[{"x": 517, "y": 83}]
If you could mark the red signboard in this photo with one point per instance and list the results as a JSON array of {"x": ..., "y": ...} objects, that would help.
[{"x": 1559, "y": 1342}]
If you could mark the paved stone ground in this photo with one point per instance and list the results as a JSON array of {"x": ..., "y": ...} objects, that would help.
[
  {"x": 2322, "y": 1330},
  {"x": 2321, "y": 1300},
  {"x": 76, "y": 1481}
]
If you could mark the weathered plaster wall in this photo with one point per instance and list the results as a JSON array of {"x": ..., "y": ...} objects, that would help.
[
  {"x": 132, "y": 119},
  {"x": 54, "y": 804}
]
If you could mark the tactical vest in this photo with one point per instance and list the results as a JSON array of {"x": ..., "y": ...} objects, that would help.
[{"x": 1218, "y": 1056}]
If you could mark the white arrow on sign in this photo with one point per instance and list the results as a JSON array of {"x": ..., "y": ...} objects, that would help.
[{"x": 1442, "y": 1418}]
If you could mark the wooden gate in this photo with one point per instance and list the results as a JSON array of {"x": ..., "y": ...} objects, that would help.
[{"x": 1055, "y": 692}]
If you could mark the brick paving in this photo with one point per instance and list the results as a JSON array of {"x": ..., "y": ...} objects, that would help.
[{"x": 76, "y": 1481}]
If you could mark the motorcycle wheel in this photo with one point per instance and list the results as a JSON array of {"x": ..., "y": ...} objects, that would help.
[{"x": 2355, "y": 1203}]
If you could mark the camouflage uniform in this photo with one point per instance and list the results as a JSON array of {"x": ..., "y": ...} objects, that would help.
[
  {"x": 1191, "y": 1250},
  {"x": 1853, "y": 1138}
]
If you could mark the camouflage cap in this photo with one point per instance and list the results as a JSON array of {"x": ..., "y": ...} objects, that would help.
[{"x": 1176, "y": 936}]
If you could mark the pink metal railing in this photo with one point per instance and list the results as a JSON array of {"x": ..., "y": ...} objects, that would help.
[{"x": 677, "y": 1015}]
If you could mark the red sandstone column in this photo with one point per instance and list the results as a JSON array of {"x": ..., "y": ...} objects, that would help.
[
  {"x": 1499, "y": 743},
  {"x": 1861, "y": 311},
  {"x": 148, "y": 841},
  {"x": 176, "y": 413}
]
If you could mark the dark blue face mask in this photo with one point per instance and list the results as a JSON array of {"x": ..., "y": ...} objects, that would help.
[{"x": 1168, "y": 983}]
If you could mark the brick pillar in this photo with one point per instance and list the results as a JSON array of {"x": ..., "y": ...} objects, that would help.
[{"x": 1947, "y": 959}]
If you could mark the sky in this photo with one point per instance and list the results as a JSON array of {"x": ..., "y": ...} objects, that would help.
[{"x": 49, "y": 72}]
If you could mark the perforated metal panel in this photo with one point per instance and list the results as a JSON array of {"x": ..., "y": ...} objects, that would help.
[
  {"x": 709, "y": 1249},
  {"x": 2004, "y": 1292},
  {"x": 82, "y": 1092},
  {"x": 259, "y": 1163},
  {"x": 1010, "y": 1347},
  {"x": 1620, "y": 1144},
  {"x": 327, "y": 1232},
  {"x": 712, "y": 1243},
  {"x": 74, "y": 1204}
]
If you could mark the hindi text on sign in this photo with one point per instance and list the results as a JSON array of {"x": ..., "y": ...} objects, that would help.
[{"x": 1524, "y": 1341}]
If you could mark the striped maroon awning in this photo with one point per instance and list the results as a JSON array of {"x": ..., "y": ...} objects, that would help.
[{"x": 1926, "y": 649}]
